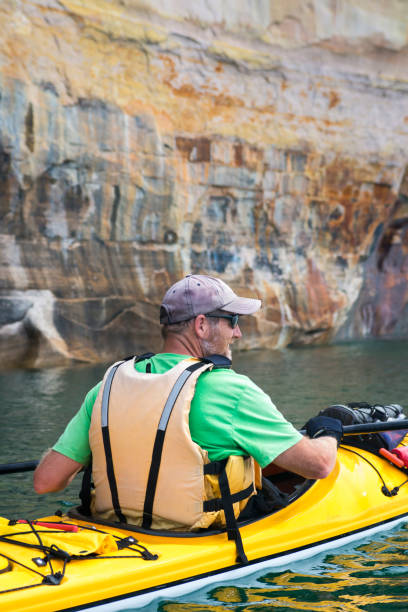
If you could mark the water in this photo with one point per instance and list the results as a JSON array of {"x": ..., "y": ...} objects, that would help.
[
  {"x": 369, "y": 576},
  {"x": 372, "y": 575}
]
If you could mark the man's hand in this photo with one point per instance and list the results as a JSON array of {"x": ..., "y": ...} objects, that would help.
[{"x": 324, "y": 426}]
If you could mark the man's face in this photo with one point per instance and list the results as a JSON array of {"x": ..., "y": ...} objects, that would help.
[{"x": 220, "y": 337}]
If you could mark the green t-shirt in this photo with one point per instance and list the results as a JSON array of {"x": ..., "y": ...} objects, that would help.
[{"x": 229, "y": 415}]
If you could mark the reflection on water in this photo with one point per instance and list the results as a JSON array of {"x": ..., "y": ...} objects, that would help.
[{"x": 366, "y": 577}]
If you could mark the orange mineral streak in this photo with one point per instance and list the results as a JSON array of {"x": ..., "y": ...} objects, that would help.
[{"x": 334, "y": 99}]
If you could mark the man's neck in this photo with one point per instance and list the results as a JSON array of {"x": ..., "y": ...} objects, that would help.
[{"x": 181, "y": 345}]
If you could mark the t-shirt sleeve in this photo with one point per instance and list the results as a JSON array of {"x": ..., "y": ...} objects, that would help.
[
  {"x": 259, "y": 428},
  {"x": 74, "y": 441}
]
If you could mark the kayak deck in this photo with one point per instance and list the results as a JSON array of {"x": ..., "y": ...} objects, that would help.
[{"x": 346, "y": 504}]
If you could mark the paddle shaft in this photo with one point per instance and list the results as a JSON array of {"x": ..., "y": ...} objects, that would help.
[
  {"x": 13, "y": 468},
  {"x": 362, "y": 428},
  {"x": 367, "y": 428}
]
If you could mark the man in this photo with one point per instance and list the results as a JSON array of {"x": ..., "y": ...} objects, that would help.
[{"x": 227, "y": 414}]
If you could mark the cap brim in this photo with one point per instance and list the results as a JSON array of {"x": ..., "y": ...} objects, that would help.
[{"x": 242, "y": 306}]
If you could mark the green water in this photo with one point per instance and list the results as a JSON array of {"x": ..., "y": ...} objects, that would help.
[{"x": 371, "y": 575}]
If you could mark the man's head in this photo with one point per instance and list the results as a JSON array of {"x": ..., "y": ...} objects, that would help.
[
  {"x": 203, "y": 310},
  {"x": 198, "y": 294}
]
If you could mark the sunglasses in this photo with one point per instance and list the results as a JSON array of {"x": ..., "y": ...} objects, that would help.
[{"x": 233, "y": 319}]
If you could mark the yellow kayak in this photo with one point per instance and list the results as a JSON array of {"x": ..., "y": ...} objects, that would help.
[{"x": 65, "y": 563}]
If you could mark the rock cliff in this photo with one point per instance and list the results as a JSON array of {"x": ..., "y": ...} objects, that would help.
[{"x": 264, "y": 142}]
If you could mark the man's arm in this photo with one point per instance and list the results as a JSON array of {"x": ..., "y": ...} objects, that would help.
[
  {"x": 310, "y": 458},
  {"x": 54, "y": 472},
  {"x": 57, "y": 468},
  {"x": 314, "y": 456}
]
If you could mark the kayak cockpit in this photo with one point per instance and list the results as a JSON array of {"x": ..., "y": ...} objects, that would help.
[{"x": 286, "y": 487}]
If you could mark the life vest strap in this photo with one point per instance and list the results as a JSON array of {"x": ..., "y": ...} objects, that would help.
[
  {"x": 216, "y": 467},
  {"x": 231, "y": 522},
  {"x": 159, "y": 441},
  {"x": 226, "y": 502},
  {"x": 106, "y": 442},
  {"x": 218, "y": 361},
  {"x": 214, "y": 505},
  {"x": 85, "y": 492},
  {"x": 144, "y": 356}
]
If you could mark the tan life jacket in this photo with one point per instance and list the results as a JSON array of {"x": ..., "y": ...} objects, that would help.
[{"x": 127, "y": 421}]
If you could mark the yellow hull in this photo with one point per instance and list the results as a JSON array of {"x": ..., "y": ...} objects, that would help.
[{"x": 346, "y": 506}]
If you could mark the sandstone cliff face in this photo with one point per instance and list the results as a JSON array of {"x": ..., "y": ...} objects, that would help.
[{"x": 265, "y": 143}]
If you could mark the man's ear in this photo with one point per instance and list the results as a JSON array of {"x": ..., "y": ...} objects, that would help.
[{"x": 201, "y": 326}]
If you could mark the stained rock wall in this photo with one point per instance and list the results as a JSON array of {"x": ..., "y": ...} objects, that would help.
[{"x": 264, "y": 142}]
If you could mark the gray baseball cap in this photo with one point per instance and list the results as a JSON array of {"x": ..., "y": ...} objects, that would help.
[{"x": 198, "y": 294}]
